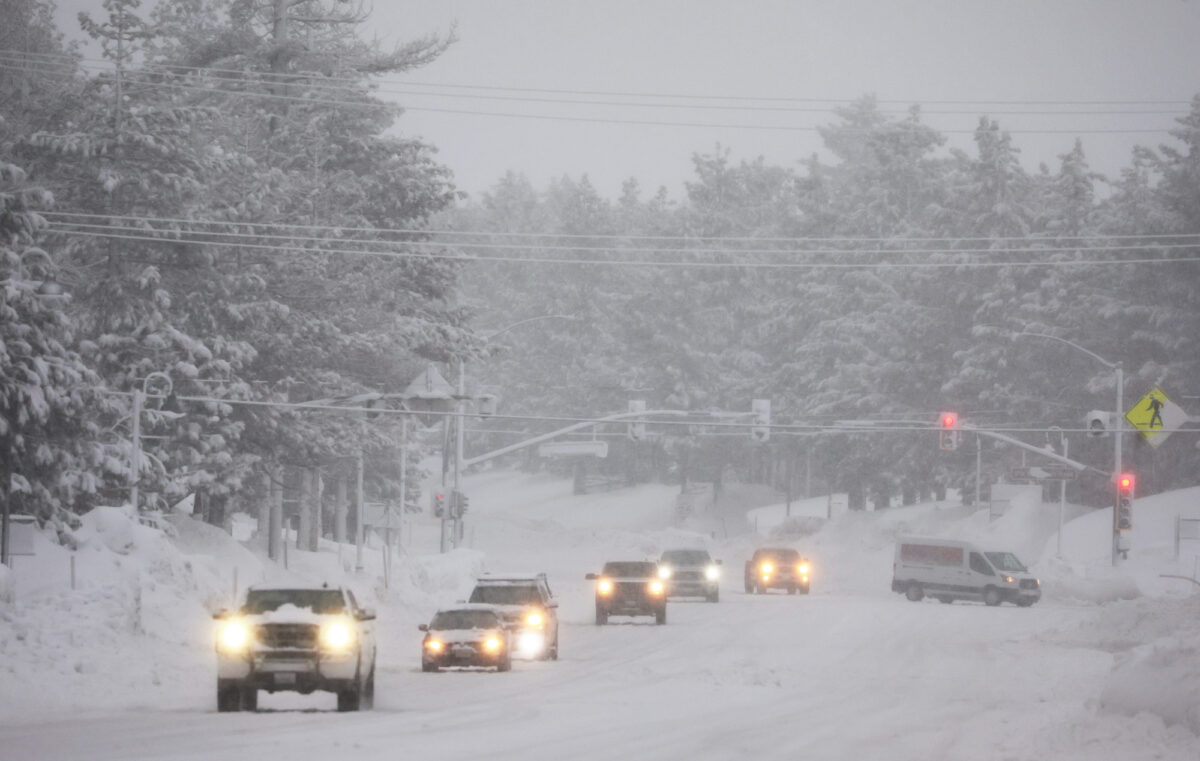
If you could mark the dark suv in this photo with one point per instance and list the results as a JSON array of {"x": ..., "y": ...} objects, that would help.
[
  {"x": 690, "y": 573},
  {"x": 777, "y": 568},
  {"x": 529, "y": 611},
  {"x": 631, "y": 588}
]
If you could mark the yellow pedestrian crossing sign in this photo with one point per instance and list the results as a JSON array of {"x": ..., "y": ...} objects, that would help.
[{"x": 1156, "y": 416}]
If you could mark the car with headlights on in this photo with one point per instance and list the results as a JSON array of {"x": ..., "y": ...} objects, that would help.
[
  {"x": 630, "y": 588},
  {"x": 690, "y": 573},
  {"x": 777, "y": 568},
  {"x": 296, "y": 639},
  {"x": 528, "y": 608},
  {"x": 468, "y": 636}
]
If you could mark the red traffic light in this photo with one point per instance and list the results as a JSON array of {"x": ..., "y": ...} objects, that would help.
[
  {"x": 1125, "y": 483},
  {"x": 949, "y": 420}
]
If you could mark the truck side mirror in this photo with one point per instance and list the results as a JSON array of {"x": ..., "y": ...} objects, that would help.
[
  {"x": 423, "y": 628},
  {"x": 590, "y": 577},
  {"x": 718, "y": 562},
  {"x": 366, "y": 614},
  {"x": 221, "y": 614}
]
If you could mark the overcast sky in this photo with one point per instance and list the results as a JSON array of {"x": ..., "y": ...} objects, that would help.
[{"x": 966, "y": 57}]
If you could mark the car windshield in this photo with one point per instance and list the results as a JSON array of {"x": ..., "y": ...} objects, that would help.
[
  {"x": 319, "y": 600},
  {"x": 779, "y": 556},
  {"x": 505, "y": 594},
  {"x": 1006, "y": 561},
  {"x": 686, "y": 557},
  {"x": 464, "y": 619},
  {"x": 631, "y": 570}
]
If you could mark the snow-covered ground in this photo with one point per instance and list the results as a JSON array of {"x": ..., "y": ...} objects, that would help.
[{"x": 1107, "y": 666}]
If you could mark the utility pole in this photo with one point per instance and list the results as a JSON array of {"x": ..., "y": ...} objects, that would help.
[
  {"x": 360, "y": 511},
  {"x": 459, "y": 439},
  {"x": 135, "y": 460}
]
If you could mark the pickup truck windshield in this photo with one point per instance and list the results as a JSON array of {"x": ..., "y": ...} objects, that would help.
[
  {"x": 1006, "y": 561},
  {"x": 631, "y": 570},
  {"x": 319, "y": 600},
  {"x": 686, "y": 557},
  {"x": 508, "y": 594}
]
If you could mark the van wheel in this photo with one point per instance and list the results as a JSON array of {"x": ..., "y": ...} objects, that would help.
[
  {"x": 1024, "y": 603},
  {"x": 945, "y": 599},
  {"x": 991, "y": 596},
  {"x": 914, "y": 592}
]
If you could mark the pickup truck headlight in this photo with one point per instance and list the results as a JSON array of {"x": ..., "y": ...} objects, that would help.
[
  {"x": 492, "y": 644},
  {"x": 664, "y": 572},
  {"x": 534, "y": 619},
  {"x": 767, "y": 567},
  {"x": 234, "y": 637},
  {"x": 604, "y": 587},
  {"x": 656, "y": 587},
  {"x": 337, "y": 635},
  {"x": 712, "y": 573},
  {"x": 803, "y": 569},
  {"x": 434, "y": 645}
]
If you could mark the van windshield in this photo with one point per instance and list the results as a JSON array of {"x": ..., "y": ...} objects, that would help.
[{"x": 1006, "y": 561}]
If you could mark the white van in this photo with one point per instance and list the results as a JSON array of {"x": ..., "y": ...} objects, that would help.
[{"x": 950, "y": 570}]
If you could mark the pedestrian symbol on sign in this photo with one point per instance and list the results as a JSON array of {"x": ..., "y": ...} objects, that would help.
[{"x": 1154, "y": 403}]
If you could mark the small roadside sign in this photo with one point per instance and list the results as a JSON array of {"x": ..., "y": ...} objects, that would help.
[{"x": 1155, "y": 416}]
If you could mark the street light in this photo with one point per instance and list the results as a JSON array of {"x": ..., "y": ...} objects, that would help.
[
  {"x": 460, "y": 411},
  {"x": 139, "y": 398},
  {"x": 1117, "y": 368}
]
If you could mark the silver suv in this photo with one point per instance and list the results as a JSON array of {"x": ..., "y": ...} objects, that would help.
[
  {"x": 296, "y": 639},
  {"x": 690, "y": 573},
  {"x": 529, "y": 611}
]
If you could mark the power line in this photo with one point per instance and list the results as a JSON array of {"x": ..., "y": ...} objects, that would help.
[
  {"x": 371, "y": 102},
  {"x": 318, "y": 77},
  {"x": 185, "y": 236},
  {"x": 617, "y": 236},
  {"x": 458, "y": 257}
]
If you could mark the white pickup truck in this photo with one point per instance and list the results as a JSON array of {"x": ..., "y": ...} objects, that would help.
[{"x": 297, "y": 639}]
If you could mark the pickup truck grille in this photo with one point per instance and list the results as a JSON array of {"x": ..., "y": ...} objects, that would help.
[
  {"x": 630, "y": 591},
  {"x": 688, "y": 576},
  {"x": 300, "y": 636}
]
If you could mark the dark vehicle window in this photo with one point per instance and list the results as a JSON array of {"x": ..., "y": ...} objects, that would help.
[
  {"x": 979, "y": 565},
  {"x": 631, "y": 570},
  {"x": 465, "y": 619},
  {"x": 779, "y": 556},
  {"x": 1006, "y": 561},
  {"x": 319, "y": 600},
  {"x": 686, "y": 557},
  {"x": 506, "y": 595}
]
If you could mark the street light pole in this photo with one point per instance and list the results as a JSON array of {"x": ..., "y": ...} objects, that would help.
[{"x": 1119, "y": 419}]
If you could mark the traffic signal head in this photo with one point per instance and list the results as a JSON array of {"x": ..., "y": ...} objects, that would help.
[
  {"x": 1099, "y": 423},
  {"x": 636, "y": 429},
  {"x": 948, "y": 436},
  {"x": 439, "y": 504},
  {"x": 1125, "y": 483},
  {"x": 761, "y": 409}
]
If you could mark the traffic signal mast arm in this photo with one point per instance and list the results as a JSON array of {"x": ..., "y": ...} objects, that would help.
[
  {"x": 570, "y": 429},
  {"x": 1035, "y": 449}
]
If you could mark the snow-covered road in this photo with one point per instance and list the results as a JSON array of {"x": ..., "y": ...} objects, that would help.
[{"x": 773, "y": 676}]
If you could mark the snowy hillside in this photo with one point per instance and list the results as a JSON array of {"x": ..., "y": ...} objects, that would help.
[{"x": 1109, "y": 654}]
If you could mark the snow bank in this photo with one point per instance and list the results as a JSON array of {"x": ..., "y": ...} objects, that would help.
[{"x": 1157, "y": 670}]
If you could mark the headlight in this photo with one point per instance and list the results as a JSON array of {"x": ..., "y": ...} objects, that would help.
[
  {"x": 604, "y": 587},
  {"x": 1038, "y": 582},
  {"x": 534, "y": 619},
  {"x": 531, "y": 643},
  {"x": 434, "y": 645},
  {"x": 664, "y": 572},
  {"x": 803, "y": 569},
  {"x": 234, "y": 637},
  {"x": 337, "y": 635},
  {"x": 767, "y": 567},
  {"x": 1009, "y": 579},
  {"x": 656, "y": 587},
  {"x": 491, "y": 644},
  {"x": 712, "y": 572}
]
